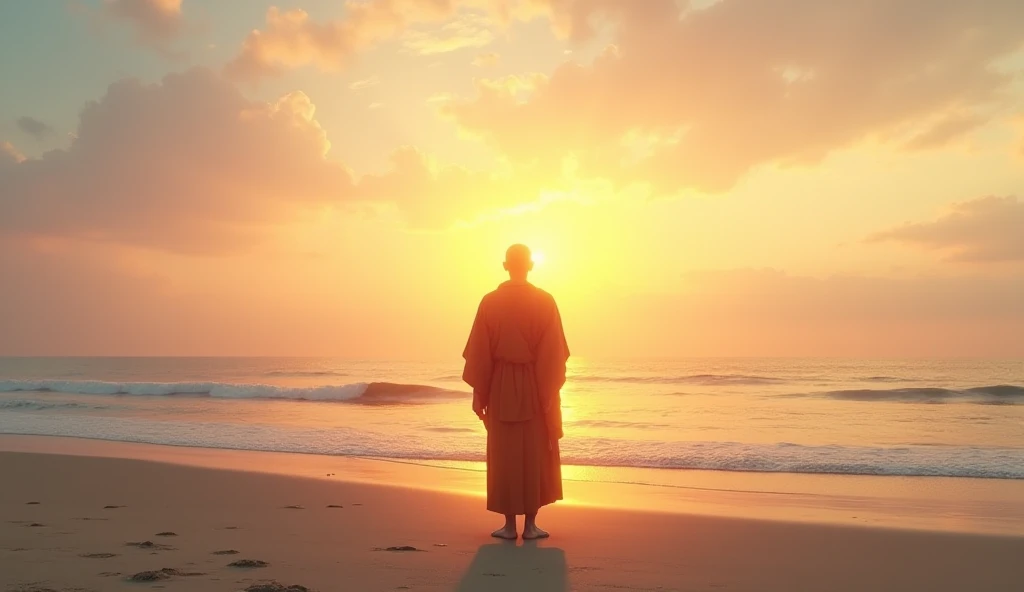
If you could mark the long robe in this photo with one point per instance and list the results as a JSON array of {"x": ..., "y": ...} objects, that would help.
[{"x": 515, "y": 362}]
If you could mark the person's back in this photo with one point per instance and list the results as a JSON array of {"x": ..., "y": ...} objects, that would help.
[{"x": 515, "y": 362}]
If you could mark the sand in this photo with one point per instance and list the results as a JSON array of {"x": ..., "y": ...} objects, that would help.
[{"x": 84, "y": 523}]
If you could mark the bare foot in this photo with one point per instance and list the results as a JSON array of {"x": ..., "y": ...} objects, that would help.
[
  {"x": 531, "y": 533},
  {"x": 507, "y": 533}
]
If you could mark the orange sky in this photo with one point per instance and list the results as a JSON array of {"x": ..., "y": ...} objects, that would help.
[{"x": 741, "y": 177}]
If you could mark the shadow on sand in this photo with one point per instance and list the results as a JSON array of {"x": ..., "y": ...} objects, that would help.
[{"x": 498, "y": 567}]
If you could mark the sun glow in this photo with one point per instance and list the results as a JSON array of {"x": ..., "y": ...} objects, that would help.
[{"x": 538, "y": 257}]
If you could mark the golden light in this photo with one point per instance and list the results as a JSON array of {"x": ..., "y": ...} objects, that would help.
[{"x": 538, "y": 258}]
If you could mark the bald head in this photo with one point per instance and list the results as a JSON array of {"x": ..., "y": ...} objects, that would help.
[{"x": 518, "y": 262}]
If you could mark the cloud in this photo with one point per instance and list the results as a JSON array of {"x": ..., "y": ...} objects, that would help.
[
  {"x": 9, "y": 155},
  {"x": 432, "y": 196},
  {"x": 773, "y": 313},
  {"x": 187, "y": 164},
  {"x": 365, "y": 83},
  {"x": 33, "y": 127},
  {"x": 291, "y": 39},
  {"x": 948, "y": 128},
  {"x": 467, "y": 30},
  {"x": 486, "y": 60},
  {"x": 191, "y": 165},
  {"x": 154, "y": 20},
  {"x": 987, "y": 229},
  {"x": 738, "y": 84}
]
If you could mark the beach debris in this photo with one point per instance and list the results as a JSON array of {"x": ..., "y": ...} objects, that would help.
[
  {"x": 294, "y": 508},
  {"x": 226, "y": 552},
  {"x": 98, "y": 555},
  {"x": 275, "y": 586},
  {"x": 335, "y": 506},
  {"x": 247, "y": 563},
  {"x": 399, "y": 549},
  {"x": 166, "y": 533},
  {"x": 150, "y": 545}
]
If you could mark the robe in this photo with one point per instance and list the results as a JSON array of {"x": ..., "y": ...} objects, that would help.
[{"x": 515, "y": 361}]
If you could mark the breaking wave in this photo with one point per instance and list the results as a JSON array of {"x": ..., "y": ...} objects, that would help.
[
  {"x": 699, "y": 379},
  {"x": 34, "y": 405},
  {"x": 360, "y": 392},
  {"x": 999, "y": 394}
]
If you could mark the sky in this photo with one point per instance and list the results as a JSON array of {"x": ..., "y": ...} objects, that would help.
[{"x": 752, "y": 178}]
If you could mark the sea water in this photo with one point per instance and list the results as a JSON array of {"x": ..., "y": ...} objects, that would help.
[{"x": 952, "y": 418}]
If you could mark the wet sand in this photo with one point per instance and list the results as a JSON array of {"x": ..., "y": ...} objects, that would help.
[{"x": 76, "y": 522}]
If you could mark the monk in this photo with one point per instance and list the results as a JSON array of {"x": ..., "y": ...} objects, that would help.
[{"x": 515, "y": 362}]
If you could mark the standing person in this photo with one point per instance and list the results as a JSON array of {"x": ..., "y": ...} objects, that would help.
[{"x": 515, "y": 362}]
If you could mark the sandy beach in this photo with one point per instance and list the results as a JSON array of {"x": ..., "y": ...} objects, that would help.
[{"x": 89, "y": 523}]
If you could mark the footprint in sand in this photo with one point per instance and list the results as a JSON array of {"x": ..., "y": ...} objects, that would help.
[
  {"x": 273, "y": 586},
  {"x": 98, "y": 555},
  {"x": 31, "y": 503},
  {"x": 248, "y": 563},
  {"x": 36, "y": 525},
  {"x": 166, "y": 533},
  {"x": 294, "y": 508},
  {"x": 335, "y": 506},
  {"x": 161, "y": 574},
  {"x": 226, "y": 552},
  {"x": 399, "y": 549},
  {"x": 113, "y": 507},
  {"x": 150, "y": 545}
]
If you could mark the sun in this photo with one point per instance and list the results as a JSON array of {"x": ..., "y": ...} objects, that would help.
[{"x": 538, "y": 257}]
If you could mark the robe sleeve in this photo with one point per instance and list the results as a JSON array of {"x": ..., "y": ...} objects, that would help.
[
  {"x": 479, "y": 363},
  {"x": 552, "y": 355}
]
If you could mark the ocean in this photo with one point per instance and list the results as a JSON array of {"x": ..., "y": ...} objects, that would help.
[{"x": 952, "y": 418}]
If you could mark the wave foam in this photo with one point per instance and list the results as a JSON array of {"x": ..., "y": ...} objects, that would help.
[{"x": 465, "y": 445}]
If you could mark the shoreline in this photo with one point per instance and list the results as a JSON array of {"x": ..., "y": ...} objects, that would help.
[
  {"x": 66, "y": 522},
  {"x": 933, "y": 504}
]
